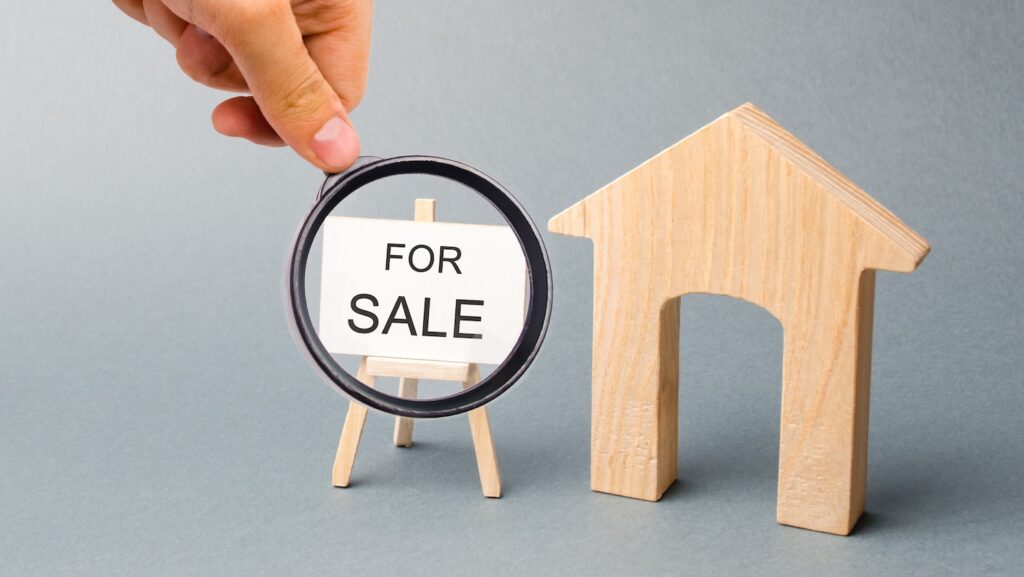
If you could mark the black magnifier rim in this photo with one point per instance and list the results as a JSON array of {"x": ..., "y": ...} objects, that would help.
[{"x": 538, "y": 309}]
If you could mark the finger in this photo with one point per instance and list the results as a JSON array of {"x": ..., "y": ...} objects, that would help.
[
  {"x": 342, "y": 53},
  {"x": 166, "y": 23},
  {"x": 241, "y": 117},
  {"x": 264, "y": 40},
  {"x": 204, "y": 59},
  {"x": 132, "y": 8}
]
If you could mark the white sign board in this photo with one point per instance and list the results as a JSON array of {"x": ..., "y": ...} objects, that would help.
[{"x": 421, "y": 290}]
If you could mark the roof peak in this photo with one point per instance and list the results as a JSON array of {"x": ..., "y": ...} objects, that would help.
[
  {"x": 859, "y": 201},
  {"x": 796, "y": 152}
]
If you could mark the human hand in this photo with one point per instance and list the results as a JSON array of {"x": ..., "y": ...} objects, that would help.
[{"x": 303, "y": 61}]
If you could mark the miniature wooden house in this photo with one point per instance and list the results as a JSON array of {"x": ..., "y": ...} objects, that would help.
[{"x": 739, "y": 208}]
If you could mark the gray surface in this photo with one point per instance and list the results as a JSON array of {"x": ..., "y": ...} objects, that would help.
[{"x": 156, "y": 418}]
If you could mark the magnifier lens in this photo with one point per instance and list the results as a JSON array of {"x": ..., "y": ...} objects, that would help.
[{"x": 418, "y": 286}]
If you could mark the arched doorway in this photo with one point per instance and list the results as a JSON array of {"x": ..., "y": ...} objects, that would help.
[{"x": 730, "y": 390}]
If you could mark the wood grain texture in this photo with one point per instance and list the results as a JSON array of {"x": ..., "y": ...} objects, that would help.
[
  {"x": 417, "y": 369},
  {"x": 407, "y": 388},
  {"x": 740, "y": 208},
  {"x": 409, "y": 372},
  {"x": 483, "y": 443},
  {"x": 425, "y": 210},
  {"x": 348, "y": 445}
]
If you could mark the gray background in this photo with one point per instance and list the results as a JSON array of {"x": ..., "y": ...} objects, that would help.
[{"x": 156, "y": 418}]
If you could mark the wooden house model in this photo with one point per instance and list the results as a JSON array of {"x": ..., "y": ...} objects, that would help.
[{"x": 739, "y": 208}]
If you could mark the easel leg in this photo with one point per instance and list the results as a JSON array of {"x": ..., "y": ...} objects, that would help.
[
  {"x": 350, "y": 434},
  {"x": 483, "y": 444},
  {"x": 407, "y": 388}
]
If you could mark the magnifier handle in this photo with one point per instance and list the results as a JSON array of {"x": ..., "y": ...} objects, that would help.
[{"x": 333, "y": 177}]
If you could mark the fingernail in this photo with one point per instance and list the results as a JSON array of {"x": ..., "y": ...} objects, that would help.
[{"x": 336, "y": 144}]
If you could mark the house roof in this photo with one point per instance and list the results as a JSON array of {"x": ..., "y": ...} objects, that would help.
[{"x": 789, "y": 147}]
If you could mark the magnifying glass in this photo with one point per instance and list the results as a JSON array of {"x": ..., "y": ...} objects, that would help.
[{"x": 446, "y": 291}]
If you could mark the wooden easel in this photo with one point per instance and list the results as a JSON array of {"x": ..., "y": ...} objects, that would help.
[{"x": 409, "y": 372}]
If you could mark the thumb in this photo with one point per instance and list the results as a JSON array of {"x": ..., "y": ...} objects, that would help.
[{"x": 264, "y": 40}]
